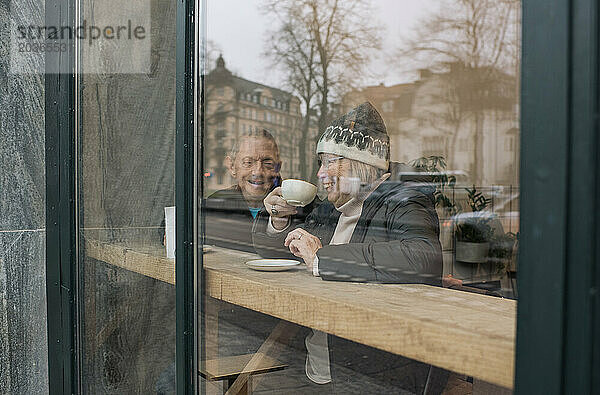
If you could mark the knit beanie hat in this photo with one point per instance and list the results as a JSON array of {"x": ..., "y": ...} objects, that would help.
[{"x": 359, "y": 135}]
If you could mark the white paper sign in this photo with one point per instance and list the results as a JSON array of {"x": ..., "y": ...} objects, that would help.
[{"x": 170, "y": 231}]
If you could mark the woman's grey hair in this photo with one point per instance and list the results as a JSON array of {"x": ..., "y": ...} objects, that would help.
[
  {"x": 367, "y": 174},
  {"x": 256, "y": 133}
]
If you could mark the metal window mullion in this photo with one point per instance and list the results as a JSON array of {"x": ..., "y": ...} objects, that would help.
[
  {"x": 544, "y": 151},
  {"x": 581, "y": 210},
  {"x": 185, "y": 275},
  {"x": 557, "y": 342},
  {"x": 60, "y": 208}
]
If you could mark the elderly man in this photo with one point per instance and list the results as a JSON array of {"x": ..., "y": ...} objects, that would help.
[
  {"x": 254, "y": 164},
  {"x": 373, "y": 227}
]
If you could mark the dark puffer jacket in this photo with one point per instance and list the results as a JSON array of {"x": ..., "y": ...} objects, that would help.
[{"x": 396, "y": 239}]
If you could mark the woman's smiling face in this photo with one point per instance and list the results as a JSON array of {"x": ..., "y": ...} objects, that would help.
[{"x": 336, "y": 177}]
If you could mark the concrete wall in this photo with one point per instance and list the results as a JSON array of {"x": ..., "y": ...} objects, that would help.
[{"x": 23, "y": 339}]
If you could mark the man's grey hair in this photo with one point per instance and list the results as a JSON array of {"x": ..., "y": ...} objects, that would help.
[{"x": 256, "y": 133}]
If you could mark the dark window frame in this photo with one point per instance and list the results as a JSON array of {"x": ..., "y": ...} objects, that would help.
[
  {"x": 186, "y": 369},
  {"x": 61, "y": 215},
  {"x": 559, "y": 273}
]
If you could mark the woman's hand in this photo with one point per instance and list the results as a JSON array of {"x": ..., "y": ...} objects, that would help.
[
  {"x": 303, "y": 245},
  {"x": 278, "y": 209}
]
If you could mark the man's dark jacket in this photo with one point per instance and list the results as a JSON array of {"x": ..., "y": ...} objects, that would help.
[
  {"x": 396, "y": 239},
  {"x": 228, "y": 220}
]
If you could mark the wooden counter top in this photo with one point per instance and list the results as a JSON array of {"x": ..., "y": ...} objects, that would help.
[{"x": 463, "y": 332}]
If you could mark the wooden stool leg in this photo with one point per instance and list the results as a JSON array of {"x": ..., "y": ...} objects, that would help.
[
  {"x": 274, "y": 344},
  {"x": 210, "y": 346},
  {"x": 211, "y": 334},
  {"x": 245, "y": 389}
]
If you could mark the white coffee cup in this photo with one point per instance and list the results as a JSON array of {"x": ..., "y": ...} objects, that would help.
[{"x": 297, "y": 192}]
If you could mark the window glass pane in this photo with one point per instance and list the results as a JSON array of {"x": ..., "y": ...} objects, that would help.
[
  {"x": 368, "y": 242},
  {"x": 126, "y": 189}
]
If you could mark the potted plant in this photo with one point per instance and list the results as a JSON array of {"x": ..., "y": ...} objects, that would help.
[
  {"x": 501, "y": 251},
  {"x": 473, "y": 230},
  {"x": 436, "y": 165},
  {"x": 445, "y": 207}
]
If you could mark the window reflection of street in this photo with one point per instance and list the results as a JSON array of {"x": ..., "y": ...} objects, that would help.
[{"x": 447, "y": 88}]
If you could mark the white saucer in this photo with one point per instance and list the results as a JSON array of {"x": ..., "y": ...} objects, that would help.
[{"x": 272, "y": 265}]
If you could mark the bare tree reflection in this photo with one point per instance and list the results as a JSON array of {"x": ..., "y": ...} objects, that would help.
[
  {"x": 475, "y": 44},
  {"x": 323, "y": 47}
]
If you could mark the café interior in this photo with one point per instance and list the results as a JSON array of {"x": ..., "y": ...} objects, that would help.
[{"x": 289, "y": 197}]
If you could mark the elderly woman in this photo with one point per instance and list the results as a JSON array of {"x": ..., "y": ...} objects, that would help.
[{"x": 372, "y": 227}]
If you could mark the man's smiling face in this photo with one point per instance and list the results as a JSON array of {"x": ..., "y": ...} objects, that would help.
[{"x": 255, "y": 167}]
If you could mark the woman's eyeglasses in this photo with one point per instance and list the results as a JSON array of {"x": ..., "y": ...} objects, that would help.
[{"x": 327, "y": 160}]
